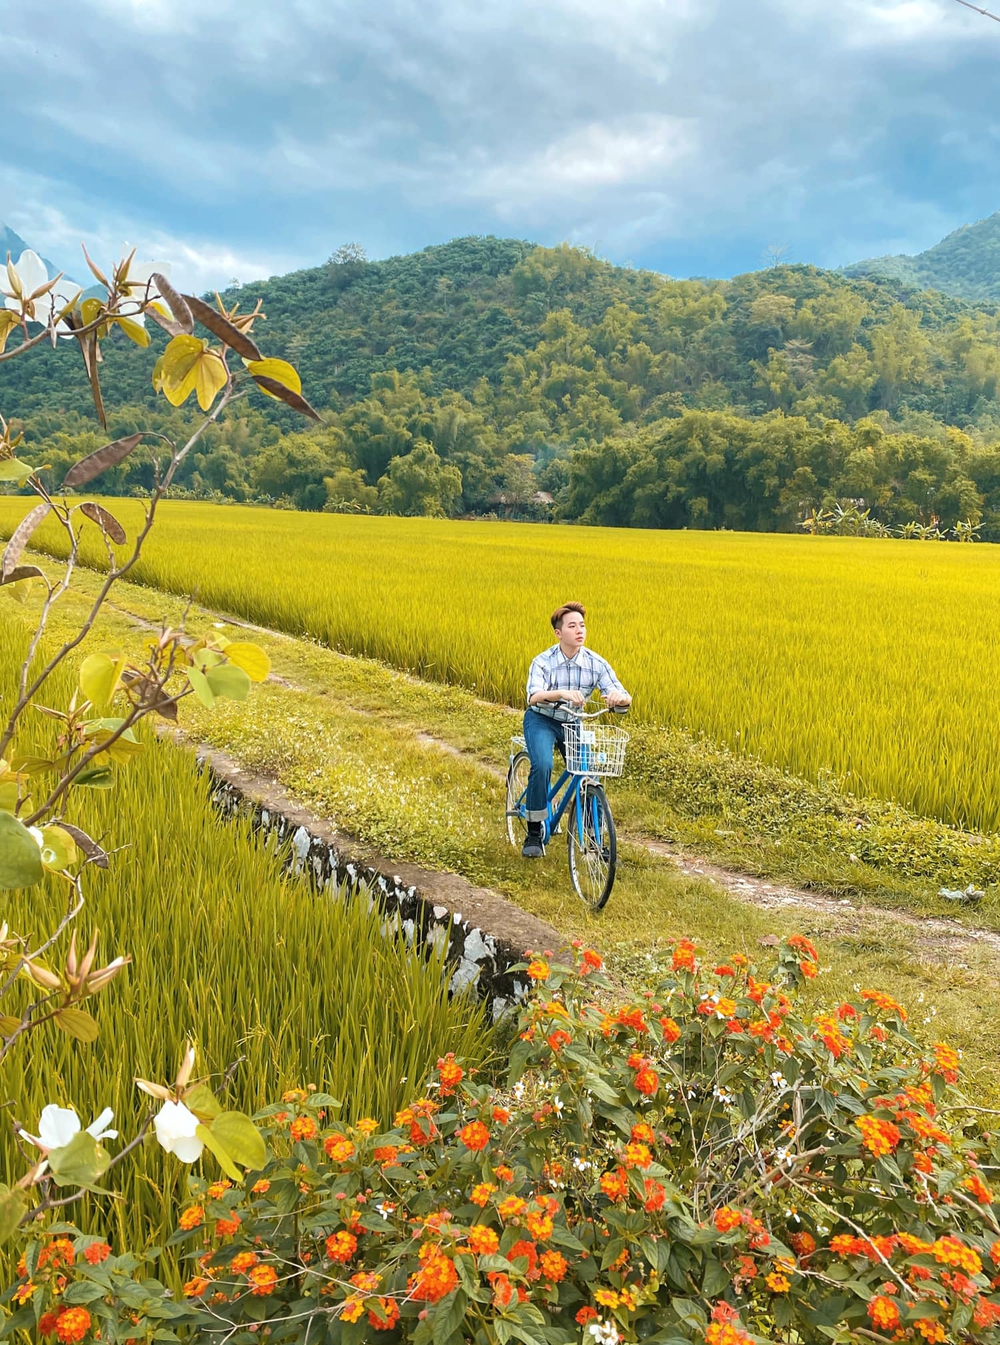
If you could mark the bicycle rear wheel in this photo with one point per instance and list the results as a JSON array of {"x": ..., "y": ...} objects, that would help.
[
  {"x": 593, "y": 847},
  {"x": 517, "y": 783}
]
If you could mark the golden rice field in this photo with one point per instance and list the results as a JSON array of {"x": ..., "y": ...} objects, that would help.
[
  {"x": 877, "y": 661},
  {"x": 288, "y": 987}
]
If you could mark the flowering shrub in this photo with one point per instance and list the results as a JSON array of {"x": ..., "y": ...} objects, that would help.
[{"x": 707, "y": 1163}]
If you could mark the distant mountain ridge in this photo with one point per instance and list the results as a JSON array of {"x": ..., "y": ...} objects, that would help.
[
  {"x": 13, "y": 243},
  {"x": 966, "y": 264}
]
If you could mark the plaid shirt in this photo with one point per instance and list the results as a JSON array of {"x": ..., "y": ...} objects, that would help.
[{"x": 585, "y": 671}]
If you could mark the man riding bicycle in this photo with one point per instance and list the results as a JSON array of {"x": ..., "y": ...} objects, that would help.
[{"x": 565, "y": 672}]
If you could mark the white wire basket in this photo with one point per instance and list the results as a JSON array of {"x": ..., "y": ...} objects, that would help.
[{"x": 595, "y": 749}]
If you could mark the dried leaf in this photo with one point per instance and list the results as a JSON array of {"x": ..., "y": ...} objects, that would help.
[
  {"x": 160, "y": 318},
  {"x": 15, "y": 282},
  {"x": 95, "y": 853},
  {"x": 286, "y": 395},
  {"x": 222, "y": 328},
  {"x": 91, "y": 352},
  {"x": 19, "y": 539},
  {"x": 21, "y": 572},
  {"x": 176, "y": 303},
  {"x": 166, "y": 710},
  {"x": 99, "y": 274},
  {"x": 105, "y": 521},
  {"x": 95, "y": 463}
]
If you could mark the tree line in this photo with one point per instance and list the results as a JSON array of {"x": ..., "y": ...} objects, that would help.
[{"x": 490, "y": 377}]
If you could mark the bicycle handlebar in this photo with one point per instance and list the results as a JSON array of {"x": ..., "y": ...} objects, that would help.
[{"x": 594, "y": 714}]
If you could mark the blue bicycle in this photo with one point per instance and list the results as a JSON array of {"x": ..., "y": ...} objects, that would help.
[{"x": 592, "y": 752}]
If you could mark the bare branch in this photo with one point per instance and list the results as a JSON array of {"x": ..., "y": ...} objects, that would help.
[{"x": 985, "y": 12}]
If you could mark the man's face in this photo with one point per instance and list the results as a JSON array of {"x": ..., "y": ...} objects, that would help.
[{"x": 573, "y": 631}]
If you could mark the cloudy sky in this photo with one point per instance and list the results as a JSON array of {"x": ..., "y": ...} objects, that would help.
[{"x": 241, "y": 139}]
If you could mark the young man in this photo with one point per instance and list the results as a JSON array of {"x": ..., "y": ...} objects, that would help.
[{"x": 566, "y": 672}]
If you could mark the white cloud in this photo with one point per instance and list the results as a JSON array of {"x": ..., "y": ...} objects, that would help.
[
  {"x": 588, "y": 160},
  {"x": 250, "y": 136},
  {"x": 196, "y": 264}
]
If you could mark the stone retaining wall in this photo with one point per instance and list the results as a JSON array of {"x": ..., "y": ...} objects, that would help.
[{"x": 477, "y": 952}]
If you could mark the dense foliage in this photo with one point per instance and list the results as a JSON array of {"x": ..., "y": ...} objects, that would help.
[
  {"x": 711, "y": 1162},
  {"x": 469, "y": 377},
  {"x": 964, "y": 264}
]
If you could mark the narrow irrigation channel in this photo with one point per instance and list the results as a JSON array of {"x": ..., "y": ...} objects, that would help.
[{"x": 482, "y": 935}]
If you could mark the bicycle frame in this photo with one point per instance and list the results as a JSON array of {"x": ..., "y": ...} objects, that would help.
[
  {"x": 579, "y": 794},
  {"x": 572, "y": 795}
]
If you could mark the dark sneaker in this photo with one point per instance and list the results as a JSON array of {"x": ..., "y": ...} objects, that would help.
[{"x": 532, "y": 847}]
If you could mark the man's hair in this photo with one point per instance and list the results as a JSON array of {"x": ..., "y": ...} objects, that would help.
[{"x": 567, "y": 607}]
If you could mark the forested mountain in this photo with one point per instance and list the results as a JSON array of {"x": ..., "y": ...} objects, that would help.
[
  {"x": 466, "y": 378},
  {"x": 14, "y": 244},
  {"x": 966, "y": 264}
]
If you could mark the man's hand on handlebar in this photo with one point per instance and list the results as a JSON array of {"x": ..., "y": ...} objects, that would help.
[
  {"x": 617, "y": 700},
  {"x": 576, "y": 698}
]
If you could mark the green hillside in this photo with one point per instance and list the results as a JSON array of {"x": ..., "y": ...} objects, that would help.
[
  {"x": 966, "y": 264},
  {"x": 464, "y": 378}
]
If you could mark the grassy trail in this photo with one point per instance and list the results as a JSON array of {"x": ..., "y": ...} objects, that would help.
[{"x": 414, "y": 769}]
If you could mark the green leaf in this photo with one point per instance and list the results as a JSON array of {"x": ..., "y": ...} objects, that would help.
[
  {"x": 180, "y": 355},
  {"x": 13, "y": 470},
  {"x": 58, "y": 848},
  {"x": 83, "y": 1292},
  {"x": 519, "y": 1056},
  {"x": 8, "y": 1024},
  {"x": 99, "y": 674},
  {"x": 13, "y": 1206},
  {"x": 80, "y": 1162},
  {"x": 202, "y": 1101},
  {"x": 200, "y": 687},
  {"x": 449, "y": 1317},
  {"x": 612, "y": 1252},
  {"x": 77, "y": 1023},
  {"x": 20, "y": 857},
  {"x": 97, "y": 777},
  {"x": 716, "y": 1279},
  {"x": 121, "y": 750},
  {"x": 214, "y": 1146},
  {"x": 278, "y": 370},
  {"x": 228, "y": 680},
  {"x": 135, "y": 331},
  {"x": 241, "y": 1139},
  {"x": 250, "y": 657}
]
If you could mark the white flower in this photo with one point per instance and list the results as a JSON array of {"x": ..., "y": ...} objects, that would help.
[
  {"x": 519, "y": 1089},
  {"x": 604, "y": 1332},
  {"x": 581, "y": 1165},
  {"x": 33, "y": 276},
  {"x": 175, "y": 1128},
  {"x": 140, "y": 287},
  {"x": 58, "y": 1125},
  {"x": 778, "y": 1079}
]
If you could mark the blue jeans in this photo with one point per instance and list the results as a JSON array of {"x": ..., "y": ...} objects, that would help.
[{"x": 541, "y": 736}]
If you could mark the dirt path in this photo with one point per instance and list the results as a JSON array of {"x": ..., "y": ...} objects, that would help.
[{"x": 935, "y": 938}]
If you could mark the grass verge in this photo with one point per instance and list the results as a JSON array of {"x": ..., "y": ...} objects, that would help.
[{"x": 415, "y": 769}]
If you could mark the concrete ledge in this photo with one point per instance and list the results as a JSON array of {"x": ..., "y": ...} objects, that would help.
[{"x": 482, "y": 933}]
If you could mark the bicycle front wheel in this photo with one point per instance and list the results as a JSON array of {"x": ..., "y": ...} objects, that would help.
[
  {"x": 517, "y": 785},
  {"x": 593, "y": 847}
]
